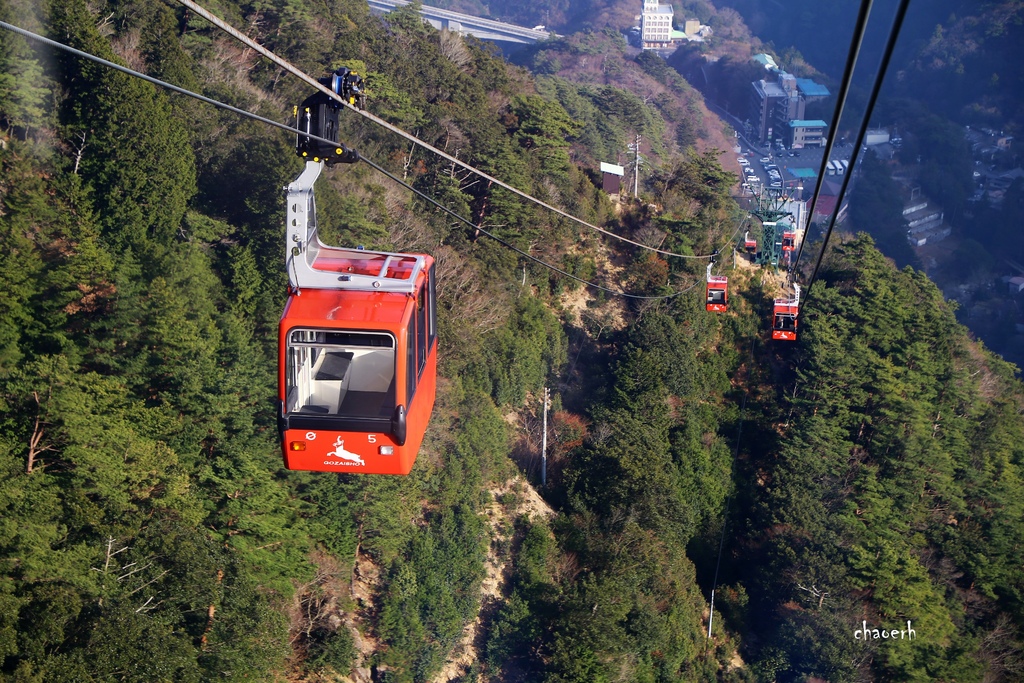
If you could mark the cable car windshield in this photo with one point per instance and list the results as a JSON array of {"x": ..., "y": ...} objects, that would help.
[
  {"x": 785, "y": 321},
  {"x": 340, "y": 373}
]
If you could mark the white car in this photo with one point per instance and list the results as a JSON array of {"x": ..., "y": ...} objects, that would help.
[
  {"x": 742, "y": 161},
  {"x": 765, "y": 160}
]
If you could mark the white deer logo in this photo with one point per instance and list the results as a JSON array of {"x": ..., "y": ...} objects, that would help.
[{"x": 340, "y": 452}]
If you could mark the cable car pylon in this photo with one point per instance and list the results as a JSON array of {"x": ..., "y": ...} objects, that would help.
[{"x": 778, "y": 241}]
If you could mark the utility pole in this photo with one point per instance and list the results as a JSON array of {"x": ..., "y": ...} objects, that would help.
[
  {"x": 636, "y": 167},
  {"x": 544, "y": 441},
  {"x": 635, "y": 147}
]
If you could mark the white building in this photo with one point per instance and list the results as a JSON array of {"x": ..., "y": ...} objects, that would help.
[{"x": 656, "y": 24}]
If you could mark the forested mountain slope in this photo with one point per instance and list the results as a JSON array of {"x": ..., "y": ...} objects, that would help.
[
  {"x": 883, "y": 487},
  {"x": 148, "y": 532}
]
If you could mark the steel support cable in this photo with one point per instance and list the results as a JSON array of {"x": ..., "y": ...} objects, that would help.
[
  {"x": 503, "y": 243},
  {"x": 844, "y": 89},
  {"x": 290, "y": 129},
  {"x": 890, "y": 46},
  {"x": 154, "y": 81},
  {"x": 295, "y": 71}
]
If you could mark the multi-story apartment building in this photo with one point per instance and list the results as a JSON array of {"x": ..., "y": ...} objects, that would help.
[
  {"x": 656, "y": 24},
  {"x": 776, "y": 103}
]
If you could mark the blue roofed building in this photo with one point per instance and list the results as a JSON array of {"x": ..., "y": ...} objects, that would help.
[
  {"x": 810, "y": 90},
  {"x": 806, "y": 133}
]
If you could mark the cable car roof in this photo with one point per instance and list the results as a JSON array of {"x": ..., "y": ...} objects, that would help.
[{"x": 358, "y": 309}]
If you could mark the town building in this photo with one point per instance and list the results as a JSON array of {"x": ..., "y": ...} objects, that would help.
[
  {"x": 656, "y": 24},
  {"x": 767, "y": 96},
  {"x": 806, "y": 133},
  {"x": 924, "y": 222},
  {"x": 781, "y": 98}
]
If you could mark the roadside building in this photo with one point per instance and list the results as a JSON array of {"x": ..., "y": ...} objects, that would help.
[
  {"x": 811, "y": 91},
  {"x": 767, "y": 61},
  {"x": 806, "y": 133},
  {"x": 767, "y": 96},
  {"x": 781, "y": 99}
]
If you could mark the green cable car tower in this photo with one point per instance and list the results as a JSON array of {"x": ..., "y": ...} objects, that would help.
[{"x": 769, "y": 211}]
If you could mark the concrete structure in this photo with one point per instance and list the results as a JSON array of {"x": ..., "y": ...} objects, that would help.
[
  {"x": 877, "y": 136},
  {"x": 791, "y": 106},
  {"x": 485, "y": 29},
  {"x": 695, "y": 32},
  {"x": 924, "y": 223},
  {"x": 804, "y": 133},
  {"x": 778, "y": 104},
  {"x": 767, "y": 95},
  {"x": 656, "y": 24}
]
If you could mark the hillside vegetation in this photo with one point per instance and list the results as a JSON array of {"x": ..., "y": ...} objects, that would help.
[{"x": 149, "y": 533}]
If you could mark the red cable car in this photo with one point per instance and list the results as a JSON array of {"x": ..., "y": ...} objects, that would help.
[
  {"x": 784, "y": 317},
  {"x": 749, "y": 243},
  {"x": 788, "y": 240},
  {"x": 717, "y": 293},
  {"x": 358, "y": 342}
]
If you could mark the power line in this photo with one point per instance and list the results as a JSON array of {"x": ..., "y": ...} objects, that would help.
[
  {"x": 852, "y": 56},
  {"x": 505, "y": 244},
  {"x": 890, "y": 46},
  {"x": 238, "y": 35},
  {"x": 256, "y": 117}
]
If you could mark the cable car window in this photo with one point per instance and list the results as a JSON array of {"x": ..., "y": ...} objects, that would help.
[
  {"x": 785, "y": 321},
  {"x": 432, "y": 304},
  {"x": 716, "y": 296},
  {"x": 410, "y": 360},
  {"x": 421, "y": 331},
  {"x": 340, "y": 373}
]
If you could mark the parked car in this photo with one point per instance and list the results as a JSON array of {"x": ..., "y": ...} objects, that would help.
[
  {"x": 766, "y": 160},
  {"x": 742, "y": 161}
]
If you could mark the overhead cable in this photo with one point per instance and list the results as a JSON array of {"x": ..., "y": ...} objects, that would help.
[
  {"x": 290, "y": 129},
  {"x": 844, "y": 89},
  {"x": 295, "y": 71},
  {"x": 502, "y": 242},
  {"x": 894, "y": 32}
]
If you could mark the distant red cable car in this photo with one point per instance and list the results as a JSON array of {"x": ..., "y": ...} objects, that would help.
[
  {"x": 358, "y": 342},
  {"x": 784, "y": 317},
  {"x": 749, "y": 243},
  {"x": 717, "y": 294},
  {"x": 788, "y": 240}
]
